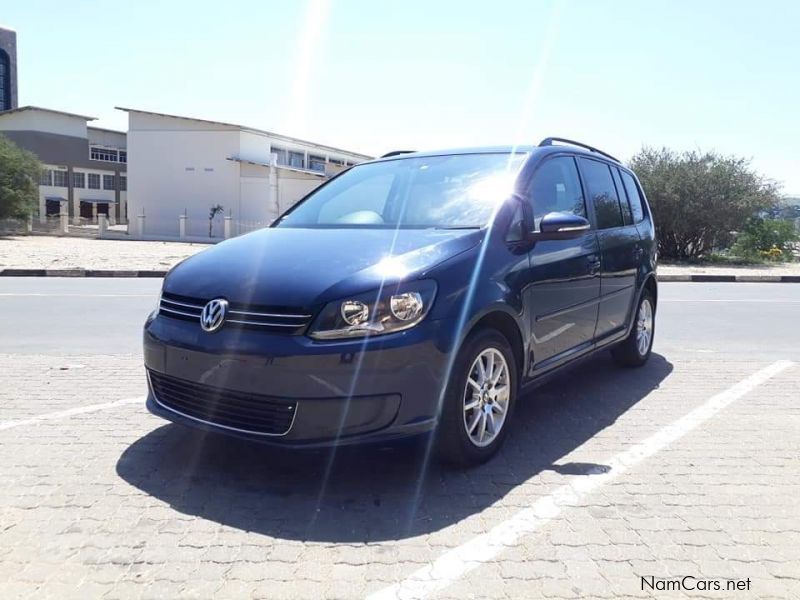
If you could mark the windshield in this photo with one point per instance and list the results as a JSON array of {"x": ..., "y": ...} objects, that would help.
[{"x": 454, "y": 191}]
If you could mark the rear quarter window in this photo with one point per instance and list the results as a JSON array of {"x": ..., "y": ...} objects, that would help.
[{"x": 635, "y": 198}]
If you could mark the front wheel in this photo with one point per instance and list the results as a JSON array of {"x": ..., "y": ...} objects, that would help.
[
  {"x": 635, "y": 349},
  {"x": 479, "y": 400}
]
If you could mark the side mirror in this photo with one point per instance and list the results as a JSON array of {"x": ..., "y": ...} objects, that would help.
[{"x": 561, "y": 226}]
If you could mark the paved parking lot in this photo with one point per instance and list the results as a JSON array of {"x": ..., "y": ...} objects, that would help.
[{"x": 687, "y": 468}]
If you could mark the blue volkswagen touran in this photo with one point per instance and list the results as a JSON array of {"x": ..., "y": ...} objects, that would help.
[{"x": 419, "y": 293}]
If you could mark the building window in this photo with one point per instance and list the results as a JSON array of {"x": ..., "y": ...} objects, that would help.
[
  {"x": 46, "y": 177},
  {"x": 60, "y": 178},
  {"x": 123, "y": 183},
  {"x": 297, "y": 160},
  {"x": 316, "y": 163},
  {"x": 123, "y": 156},
  {"x": 336, "y": 161},
  {"x": 78, "y": 179},
  {"x": 281, "y": 155},
  {"x": 108, "y": 182},
  {"x": 94, "y": 181},
  {"x": 5, "y": 81},
  {"x": 106, "y": 154}
]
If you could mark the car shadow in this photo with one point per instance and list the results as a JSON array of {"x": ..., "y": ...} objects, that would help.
[{"x": 368, "y": 494}]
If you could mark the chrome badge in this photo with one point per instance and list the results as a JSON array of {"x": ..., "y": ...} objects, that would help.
[{"x": 213, "y": 315}]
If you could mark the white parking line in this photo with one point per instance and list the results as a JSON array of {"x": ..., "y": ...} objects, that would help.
[
  {"x": 63, "y": 414},
  {"x": 457, "y": 562}
]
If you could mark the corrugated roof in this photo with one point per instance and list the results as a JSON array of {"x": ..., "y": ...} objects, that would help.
[{"x": 245, "y": 128}]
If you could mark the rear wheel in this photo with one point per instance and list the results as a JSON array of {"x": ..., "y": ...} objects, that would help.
[
  {"x": 479, "y": 401},
  {"x": 635, "y": 349}
]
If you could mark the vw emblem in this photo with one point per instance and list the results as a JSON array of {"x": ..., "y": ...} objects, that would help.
[{"x": 213, "y": 315}]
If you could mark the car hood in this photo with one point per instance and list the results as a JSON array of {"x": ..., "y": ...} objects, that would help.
[{"x": 303, "y": 267}]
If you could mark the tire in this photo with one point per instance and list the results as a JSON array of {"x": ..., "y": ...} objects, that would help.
[
  {"x": 634, "y": 351},
  {"x": 455, "y": 445}
]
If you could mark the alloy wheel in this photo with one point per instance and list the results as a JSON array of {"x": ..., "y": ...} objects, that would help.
[
  {"x": 644, "y": 327},
  {"x": 486, "y": 397}
]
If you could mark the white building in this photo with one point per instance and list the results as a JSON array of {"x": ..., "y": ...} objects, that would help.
[
  {"x": 85, "y": 167},
  {"x": 185, "y": 166}
]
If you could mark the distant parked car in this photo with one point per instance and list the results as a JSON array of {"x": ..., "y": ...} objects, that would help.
[{"x": 416, "y": 293}]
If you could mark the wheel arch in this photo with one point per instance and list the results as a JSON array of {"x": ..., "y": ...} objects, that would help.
[
  {"x": 507, "y": 325},
  {"x": 651, "y": 285}
]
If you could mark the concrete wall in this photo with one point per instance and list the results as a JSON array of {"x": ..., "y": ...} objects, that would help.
[
  {"x": 170, "y": 172},
  {"x": 57, "y": 149},
  {"x": 293, "y": 186}
]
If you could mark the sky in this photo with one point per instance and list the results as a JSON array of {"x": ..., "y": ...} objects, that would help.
[{"x": 377, "y": 75}]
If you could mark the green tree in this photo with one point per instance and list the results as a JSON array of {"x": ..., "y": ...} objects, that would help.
[
  {"x": 19, "y": 180},
  {"x": 699, "y": 199}
]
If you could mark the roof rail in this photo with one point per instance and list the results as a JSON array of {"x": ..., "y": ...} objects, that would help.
[
  {"x": 397, "y": 152},
  {"x": 549, "y": 142}
]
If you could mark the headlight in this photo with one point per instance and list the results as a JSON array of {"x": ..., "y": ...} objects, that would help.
[{"x": 393, "y": 308}]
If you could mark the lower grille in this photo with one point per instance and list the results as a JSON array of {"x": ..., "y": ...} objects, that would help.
[{"x": 240, "y": 411}]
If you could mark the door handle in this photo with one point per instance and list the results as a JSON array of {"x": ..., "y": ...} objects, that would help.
[{"x": 594, "y": 263}]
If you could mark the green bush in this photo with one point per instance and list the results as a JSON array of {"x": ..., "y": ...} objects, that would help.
[
  {"x": 19, "y": 180},
  {"x": 766, "y": 239},
  {"x": 699, "y": 198}
]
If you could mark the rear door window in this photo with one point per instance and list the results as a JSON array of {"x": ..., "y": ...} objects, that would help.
[
  {"x": 634, "y": 196},
  {"x": 601, "y": 189}
]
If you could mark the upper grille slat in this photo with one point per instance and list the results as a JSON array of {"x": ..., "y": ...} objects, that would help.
[
  {"x": 182, "y": 304},
  {"x": 179, "y": 312},
  {"x": 238, "y": 315}
]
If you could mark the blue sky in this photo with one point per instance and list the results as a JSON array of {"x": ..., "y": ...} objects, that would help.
[{"x": 373, "y": 76}]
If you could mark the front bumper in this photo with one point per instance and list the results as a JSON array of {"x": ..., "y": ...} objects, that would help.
[{"x": 338, "y": 392}]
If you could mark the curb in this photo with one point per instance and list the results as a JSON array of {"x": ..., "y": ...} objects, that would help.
[
  {"x": 730, "y": 278},
  {"x": 148, "y": 273},
  {"x": 78, "y": 273}
]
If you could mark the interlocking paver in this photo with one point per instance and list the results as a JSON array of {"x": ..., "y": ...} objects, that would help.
[{"x": 118, "y": 504}]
